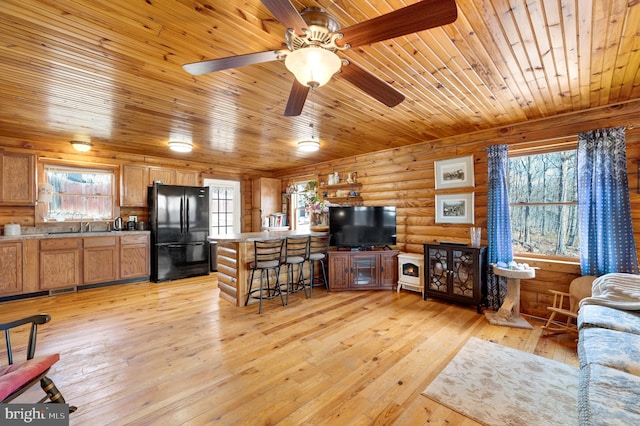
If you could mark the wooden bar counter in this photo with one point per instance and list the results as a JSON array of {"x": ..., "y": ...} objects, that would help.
[{"x": 235, "y": 254}]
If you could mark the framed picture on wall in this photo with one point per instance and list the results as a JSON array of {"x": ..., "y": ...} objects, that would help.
[
  {"x": 454, "y": 173},
  {"x": 454, "y": 208}
]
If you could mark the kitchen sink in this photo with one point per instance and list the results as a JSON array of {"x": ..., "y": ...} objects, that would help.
[{"x": 76, "y": 232}]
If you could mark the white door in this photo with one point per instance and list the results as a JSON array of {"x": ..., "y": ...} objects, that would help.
[{"x": 224, "y": 206}]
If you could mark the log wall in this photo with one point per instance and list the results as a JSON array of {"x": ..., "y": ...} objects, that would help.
[{"x": 404, "y": 177}]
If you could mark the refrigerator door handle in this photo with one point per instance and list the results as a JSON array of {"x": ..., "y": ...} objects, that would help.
[
  {"x": 186, "y": 217},
  {"x": 181, "y": 215},
  {"x": 184, "y": 245}
]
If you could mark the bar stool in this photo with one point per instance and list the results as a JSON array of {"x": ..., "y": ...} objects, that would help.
[
  {"x": 267, "y": 257},
  {"x": 296, "y": 253},
  {"x": 318, "y": 248}
]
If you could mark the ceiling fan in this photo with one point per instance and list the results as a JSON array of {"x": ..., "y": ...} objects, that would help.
[{"x": 313, "y": 37}]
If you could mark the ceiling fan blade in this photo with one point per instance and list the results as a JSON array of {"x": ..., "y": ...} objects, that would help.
[
  {"x": 410, "y": 19},
  {"x": 286, "y": 14},
  {"x": 297, "y": 97},
  {"x": 203, "y": 67},
  {"x": 371, "y": 85}
]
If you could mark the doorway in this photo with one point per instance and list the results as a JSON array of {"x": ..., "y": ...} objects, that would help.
[{"x": 224, "y": 206}]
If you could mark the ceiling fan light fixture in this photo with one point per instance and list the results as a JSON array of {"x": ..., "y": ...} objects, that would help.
[
  {"x": 81, "y": 146},
  {"x": 313, "y": 66},
  {"x": 180, "y": 146},
  {"x": 308, "y": 146}
]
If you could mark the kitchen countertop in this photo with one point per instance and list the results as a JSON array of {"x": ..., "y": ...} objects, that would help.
[
  {"x": 67, "y": 235},
  {"x": 260, "y": 236}
]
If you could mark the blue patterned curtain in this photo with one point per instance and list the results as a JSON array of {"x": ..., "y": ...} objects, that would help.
[
  {"x": 498, "y": 222},
  {"x": 606, "y": 234}
]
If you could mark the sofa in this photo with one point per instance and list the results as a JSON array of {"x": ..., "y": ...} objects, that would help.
[{"x": 609, "y": 352}]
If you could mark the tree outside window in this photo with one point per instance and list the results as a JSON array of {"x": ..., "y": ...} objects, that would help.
[{"x": 543, "y": 204}]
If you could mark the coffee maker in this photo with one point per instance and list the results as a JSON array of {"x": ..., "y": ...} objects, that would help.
[{"x": 131, "y": 224}]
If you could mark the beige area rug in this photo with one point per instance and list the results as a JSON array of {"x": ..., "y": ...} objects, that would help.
[{"x": 496, "y": 385}]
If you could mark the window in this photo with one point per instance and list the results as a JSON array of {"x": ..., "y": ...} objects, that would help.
[
  {"x": 543, "y": 204},
  {"x": 80, "y": 193},
  {"x": 299, "y": 194}
]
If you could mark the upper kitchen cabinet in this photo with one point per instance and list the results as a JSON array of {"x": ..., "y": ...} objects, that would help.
[
  {"x": 135, "y": 180},
  {"x": 164, "y": 175},
  {"x": 17, "y": 179},
  {"x": 173, "y": 176},
  {"x": 265, "y": 200},
  {"x": 186, "y": 178}
]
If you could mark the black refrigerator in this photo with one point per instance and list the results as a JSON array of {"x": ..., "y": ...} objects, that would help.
[{"x": 179, "y": 223}]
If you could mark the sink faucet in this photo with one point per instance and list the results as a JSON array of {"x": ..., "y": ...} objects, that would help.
[{"x": 82, "y": 224}]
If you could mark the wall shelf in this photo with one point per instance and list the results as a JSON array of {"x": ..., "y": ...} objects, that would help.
[
  {"x": 340, "y": 193},
  {"x": 350, "y": 186}
]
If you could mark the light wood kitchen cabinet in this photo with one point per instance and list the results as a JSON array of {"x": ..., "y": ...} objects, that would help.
[
  {"x": 265, "y": 200},
  {"x": 137, "y": 178},
  {"x": 60, "y": 263},
  {"x": 17, "y": 179},
  {"x": 167, "y": 176},
  {"x": 134, "y": 256},
  {"x": 11, "y": 267},
  {"x": 134, "y": 185},
  {"x": 34, "y": 265},
  {"x": 101, "y": 259},
  {"x": 186, "y": 178}
]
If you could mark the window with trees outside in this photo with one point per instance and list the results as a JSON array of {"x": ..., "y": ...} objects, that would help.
[
  {"x": 80, "y": 193},
  {"x": 543, "y": 204}
]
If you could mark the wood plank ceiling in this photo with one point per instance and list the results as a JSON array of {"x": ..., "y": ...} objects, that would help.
[{"x": 111, "y": 71}]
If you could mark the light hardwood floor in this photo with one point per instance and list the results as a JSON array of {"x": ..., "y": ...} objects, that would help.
[{"x": 175, "y": 353}]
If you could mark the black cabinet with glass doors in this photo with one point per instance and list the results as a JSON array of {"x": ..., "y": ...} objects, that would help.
[{"x": 456, "y": 272}]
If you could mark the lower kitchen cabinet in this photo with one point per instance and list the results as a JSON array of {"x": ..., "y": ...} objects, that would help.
[
  {"x": 11, "y": 267},
  {"x": 363, "y": 270},
  {"x": 101, "y": 259},
  {"x": 60, "y": 263},
  {"x": 134, "y": 256},
  {"x": 32, "y": 265},
  {"x": 456, "y": 273}
]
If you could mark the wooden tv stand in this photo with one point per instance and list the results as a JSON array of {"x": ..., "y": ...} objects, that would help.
[{"x": 363, "y": 270}]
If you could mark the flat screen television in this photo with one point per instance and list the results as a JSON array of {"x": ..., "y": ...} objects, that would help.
[{"x": 362, "y": 226}]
